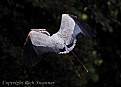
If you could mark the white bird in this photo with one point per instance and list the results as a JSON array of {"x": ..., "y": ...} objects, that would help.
[{"x": 39, "y": 41}]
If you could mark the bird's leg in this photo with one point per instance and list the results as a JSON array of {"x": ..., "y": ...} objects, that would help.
[
  {"x": 77, "y": 72},
  {"x": 80, "y": 62}
]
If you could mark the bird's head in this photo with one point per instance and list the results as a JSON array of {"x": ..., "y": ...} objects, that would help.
[{"x": 44, "y": 31}]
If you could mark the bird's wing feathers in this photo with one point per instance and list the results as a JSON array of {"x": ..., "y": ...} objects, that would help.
[
  {"x": 37, "y": 44},
  {"x": 43, "y": 43},
  {"x": 85, "y": 28},
  {"x": 71, "y": 27},
  {"x": 29, "y": 56},
  {"x": 68, "y": 29}
]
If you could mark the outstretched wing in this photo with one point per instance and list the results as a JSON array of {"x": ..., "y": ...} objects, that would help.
[
  {"x": 43, "y": 43},
  {"x": 71, "y": 27},
  {"x": 37, "y": 44}
]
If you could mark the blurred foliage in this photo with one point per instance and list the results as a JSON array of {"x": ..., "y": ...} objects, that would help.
[{"x": 101, "y": 55}]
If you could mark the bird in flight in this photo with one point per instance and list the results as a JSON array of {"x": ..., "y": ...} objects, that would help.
[{"x": 39, "y": 41}]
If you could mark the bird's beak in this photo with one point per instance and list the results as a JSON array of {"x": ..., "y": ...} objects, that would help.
[{"x": 37, "y": 30}]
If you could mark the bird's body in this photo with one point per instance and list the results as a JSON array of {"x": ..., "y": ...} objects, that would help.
[{"x": 61, "y": 42}]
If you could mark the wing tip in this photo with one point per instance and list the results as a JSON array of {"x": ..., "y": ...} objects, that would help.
[
  {"x": 29, "y": 55},
  {"x": 86, "y": 29}
]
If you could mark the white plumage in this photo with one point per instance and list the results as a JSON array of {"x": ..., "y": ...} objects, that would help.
[{"x": 39, "y": 41}]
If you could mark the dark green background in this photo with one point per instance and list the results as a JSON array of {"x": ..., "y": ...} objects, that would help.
[{"x": 101, "y": 55}]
